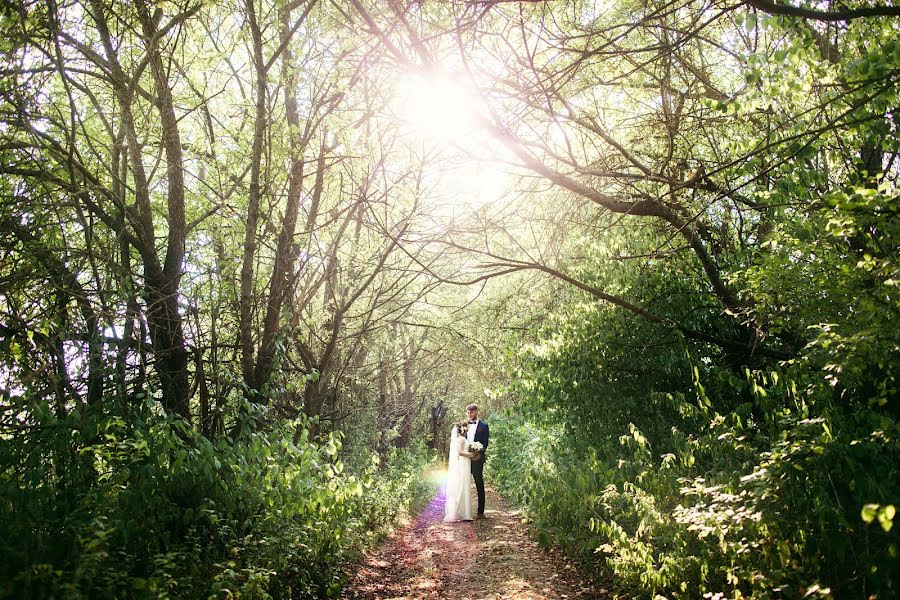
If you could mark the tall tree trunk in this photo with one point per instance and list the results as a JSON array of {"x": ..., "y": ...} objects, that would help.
[
  {"x": 438, "y": 414},
  {"x": 285, "y": 254},
  {"x": 161, "y": 280},
  {"x": 381, "y": 415},
  {"x": 253, "y": 200}
]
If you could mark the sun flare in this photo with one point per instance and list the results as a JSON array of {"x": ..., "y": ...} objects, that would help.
[
  {"x": 444, "y": 113},
  {"x": 438, "y": 107}
]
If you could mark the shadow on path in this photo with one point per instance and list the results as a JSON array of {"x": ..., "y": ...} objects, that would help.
[{"x": 492, "y": 558}]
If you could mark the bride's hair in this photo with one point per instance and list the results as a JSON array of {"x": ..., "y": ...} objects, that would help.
[{"x": 462, "y": 427}]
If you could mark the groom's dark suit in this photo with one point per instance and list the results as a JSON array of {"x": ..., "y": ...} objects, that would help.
[{"x": 482, "y": 433}]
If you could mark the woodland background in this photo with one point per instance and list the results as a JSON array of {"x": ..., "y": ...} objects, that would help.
[{"x": 258, "y": 255}]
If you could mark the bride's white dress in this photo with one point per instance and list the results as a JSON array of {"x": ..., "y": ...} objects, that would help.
[{"x": 459, "y": 471}]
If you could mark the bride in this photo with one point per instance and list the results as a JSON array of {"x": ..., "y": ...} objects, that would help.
[{"x": 458, "y": 506}]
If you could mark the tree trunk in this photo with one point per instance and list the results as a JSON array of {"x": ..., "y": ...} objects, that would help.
[
  {"x": 250, "y": 241},
  {"x": 161, "y": 280}
]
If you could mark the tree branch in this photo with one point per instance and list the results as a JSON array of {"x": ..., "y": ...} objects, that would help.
[{"x": 830, "y": 16}]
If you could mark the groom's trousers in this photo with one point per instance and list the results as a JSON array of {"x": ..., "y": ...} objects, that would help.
[{"x": 478, "y": 474}]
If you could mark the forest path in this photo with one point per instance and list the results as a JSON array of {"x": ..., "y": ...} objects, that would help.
[{"x": 491, "y": 558}]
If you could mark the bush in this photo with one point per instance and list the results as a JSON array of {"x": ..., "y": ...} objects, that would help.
[
  {"x": 146, "y": 507},
  {"x": 692, "y": 472},
  {"x": 811, "y": 512}
]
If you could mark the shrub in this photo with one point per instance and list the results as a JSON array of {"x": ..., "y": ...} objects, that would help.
[{"x": 146, "y": 507}]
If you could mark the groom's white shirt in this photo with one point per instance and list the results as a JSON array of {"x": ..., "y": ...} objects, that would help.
[{"x": 470, "y": 434}]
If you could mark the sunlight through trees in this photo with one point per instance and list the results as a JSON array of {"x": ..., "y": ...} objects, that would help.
[{"x": 257, "y": 256}]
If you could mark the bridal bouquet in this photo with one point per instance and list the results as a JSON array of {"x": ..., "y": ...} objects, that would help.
[{"x": 477, "y": 447}]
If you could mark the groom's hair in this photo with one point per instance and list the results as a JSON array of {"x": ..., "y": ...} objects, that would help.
[{"x": 472, "y": 407}]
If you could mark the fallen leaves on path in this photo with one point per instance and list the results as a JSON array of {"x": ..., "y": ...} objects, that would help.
[{"x": 491, "y": 558}]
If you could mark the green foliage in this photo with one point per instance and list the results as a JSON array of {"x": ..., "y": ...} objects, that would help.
[
  {"x": 722, "y": 508},
  {"x": 692, "y": 470},
  {"x": 103, "y": 506},
  {"x": 734, "y": 434},
  {"x": 690, "y": 477}
]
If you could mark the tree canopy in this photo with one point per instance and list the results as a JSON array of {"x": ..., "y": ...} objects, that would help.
[{"x": 247, "y": 243}]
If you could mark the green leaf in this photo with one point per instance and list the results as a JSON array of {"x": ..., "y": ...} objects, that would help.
[
  {"x": 886, "y": 517},
  {"x": 863, "y": 67},
  {"x": 751, "y": 22},
  {"x": 868, "y": 512}
]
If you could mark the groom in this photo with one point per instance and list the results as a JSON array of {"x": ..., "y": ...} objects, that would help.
[{"x": 478, "y": 432}]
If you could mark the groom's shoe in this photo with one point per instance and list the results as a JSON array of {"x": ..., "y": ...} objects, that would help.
[{"x": 480, "y": 516}]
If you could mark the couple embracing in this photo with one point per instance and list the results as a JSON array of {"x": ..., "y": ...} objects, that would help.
[{"x": 468, "y": 443}]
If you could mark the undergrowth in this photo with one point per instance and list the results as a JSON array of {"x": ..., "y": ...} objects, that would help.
[{"x": 110, "y": 506}]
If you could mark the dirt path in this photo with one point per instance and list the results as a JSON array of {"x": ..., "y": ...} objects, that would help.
[{"x": 492, "y": 558}]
